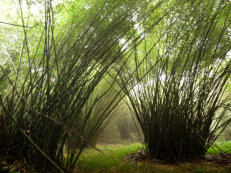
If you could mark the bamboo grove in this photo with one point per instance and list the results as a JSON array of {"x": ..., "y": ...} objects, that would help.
[{"x": 168, "y": 60}]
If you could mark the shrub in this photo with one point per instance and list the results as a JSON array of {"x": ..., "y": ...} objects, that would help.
[{"x": 176, "y": 91}]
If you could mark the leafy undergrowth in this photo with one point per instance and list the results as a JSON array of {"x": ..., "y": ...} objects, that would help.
[{"x": 113, "y": 160}]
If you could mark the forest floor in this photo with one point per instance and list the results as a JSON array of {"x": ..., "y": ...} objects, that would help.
[
  {"x": 130, "y": 158},
  {"x": 123, "y": 159}
]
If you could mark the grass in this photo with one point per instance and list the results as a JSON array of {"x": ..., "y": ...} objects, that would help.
[
  {"x": 220, "y": 146},
  {"x": 112, "y": 160}
]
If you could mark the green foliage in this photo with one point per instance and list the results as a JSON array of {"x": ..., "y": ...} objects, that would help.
[
  {"x": 176, "y": 87},
  {"x": 53, "y": 108},
  {"x": 64, "y": 70}
]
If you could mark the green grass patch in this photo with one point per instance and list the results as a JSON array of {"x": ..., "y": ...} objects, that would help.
[
  {"x": 112, "y": 160},
  {"x": 220, "y": 147}
]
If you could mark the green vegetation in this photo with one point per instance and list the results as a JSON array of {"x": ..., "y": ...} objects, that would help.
[
  {"x": 113, "y": 160},
  {"x": 58, "y": 98},
  {"x": 220, "y": 147},
  {"x": 159, "y": 69},
  {"x": 177, "y": 94}
]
